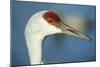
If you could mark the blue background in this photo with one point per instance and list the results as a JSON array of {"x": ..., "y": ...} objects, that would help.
[{"x": 56, "y": 48}]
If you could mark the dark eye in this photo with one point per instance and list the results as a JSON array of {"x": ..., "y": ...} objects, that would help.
[{"x": 50, "y": 20}]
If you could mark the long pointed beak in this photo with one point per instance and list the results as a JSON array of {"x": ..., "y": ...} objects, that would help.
[{"x": 66, "y": 29}]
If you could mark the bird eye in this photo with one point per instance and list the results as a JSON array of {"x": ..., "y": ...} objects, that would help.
[{"x": 50, "y": 20}]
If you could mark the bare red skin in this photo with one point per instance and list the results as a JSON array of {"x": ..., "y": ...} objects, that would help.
[{"x": 52, "y": 18}]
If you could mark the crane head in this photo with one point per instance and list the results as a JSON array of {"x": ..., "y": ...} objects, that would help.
[{"x": 48, "y": 22}]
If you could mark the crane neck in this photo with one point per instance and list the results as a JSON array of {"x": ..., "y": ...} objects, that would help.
[{"x": 34, "y": 44}]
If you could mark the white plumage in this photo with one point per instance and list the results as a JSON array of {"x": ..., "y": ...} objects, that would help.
[{"x": 37, "y": 28}]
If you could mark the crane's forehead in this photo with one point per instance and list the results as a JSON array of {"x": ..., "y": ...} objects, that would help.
[{"x": 51, "y": 15}]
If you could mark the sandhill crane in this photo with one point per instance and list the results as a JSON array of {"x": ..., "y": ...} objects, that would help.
[{"x": 40, "y": 25}]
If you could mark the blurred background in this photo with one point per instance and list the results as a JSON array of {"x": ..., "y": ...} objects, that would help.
[{"x": 56, "y": 48}]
